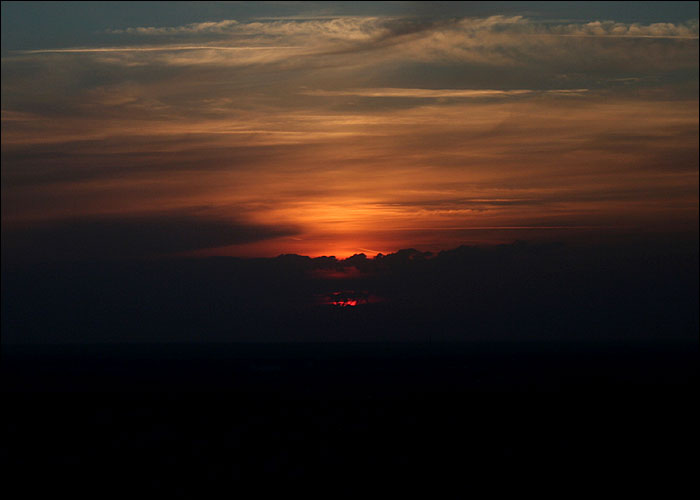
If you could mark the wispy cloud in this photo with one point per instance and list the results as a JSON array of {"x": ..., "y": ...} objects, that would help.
[
  {"x": 357, "y": 28},
  {"x": 494, "y": 40},
  {"x": 343, "y": 27},
  {"x": 610, "y": 28},
  {"x": 166, "y": 48},
  {"x": 439, "y": 93},
  {"x": 208, "y": 27}
]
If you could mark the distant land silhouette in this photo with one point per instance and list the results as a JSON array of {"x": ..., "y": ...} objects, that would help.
[
  {"x": 516, "y": 291},
  {"x": 511, "y": 359}
]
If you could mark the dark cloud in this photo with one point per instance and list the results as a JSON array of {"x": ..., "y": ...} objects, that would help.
[
  {"x": 120, "y": 157},
  {"x": 597, "y": 194},
  {"x": 115, "y": 237}
]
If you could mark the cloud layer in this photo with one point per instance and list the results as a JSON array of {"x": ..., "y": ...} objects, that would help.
[
  {"x": 113, "y": 237},
  {"x": 357, "y": 131}
]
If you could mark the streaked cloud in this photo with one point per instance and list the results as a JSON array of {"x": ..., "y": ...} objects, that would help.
[
  {"x": 150, "y": 49},
  {"x": 209, "y": 27},
  {"x": 359, "y": 132},
  {"x": 438, "y": 93},
  {"x": 493, "y": 40},
  {"x": 357, "y": 27},
  {"x": 135, "y": 235}
]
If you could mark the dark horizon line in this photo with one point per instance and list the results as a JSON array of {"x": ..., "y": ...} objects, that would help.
[
  {"x": 686, "y": 243},
  {"x": 691, "y": 240}
]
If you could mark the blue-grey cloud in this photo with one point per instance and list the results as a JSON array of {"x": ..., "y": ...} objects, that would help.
[{"x": 116, "y": 237}]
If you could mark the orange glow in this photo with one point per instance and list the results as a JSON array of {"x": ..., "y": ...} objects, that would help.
[
  {"x": 348, "y": 298},
  {"x": 345, "y": 303}
]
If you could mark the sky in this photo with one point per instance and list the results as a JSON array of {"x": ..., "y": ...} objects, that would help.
[{"x": 334, "y": 128}]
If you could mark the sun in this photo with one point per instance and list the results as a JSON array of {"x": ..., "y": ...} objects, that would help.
[{"x": 348, "y": 298}]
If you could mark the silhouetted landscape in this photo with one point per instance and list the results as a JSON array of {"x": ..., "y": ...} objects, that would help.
[
  {"x": 525, "y": 354},
  {"x": 515, "y": 292}
]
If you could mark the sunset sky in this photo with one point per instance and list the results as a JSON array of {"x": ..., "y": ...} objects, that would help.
[{"x": 256, "y": 129}]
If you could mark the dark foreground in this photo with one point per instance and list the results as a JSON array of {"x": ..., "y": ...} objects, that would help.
[{"x": 185, "y": 416}]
